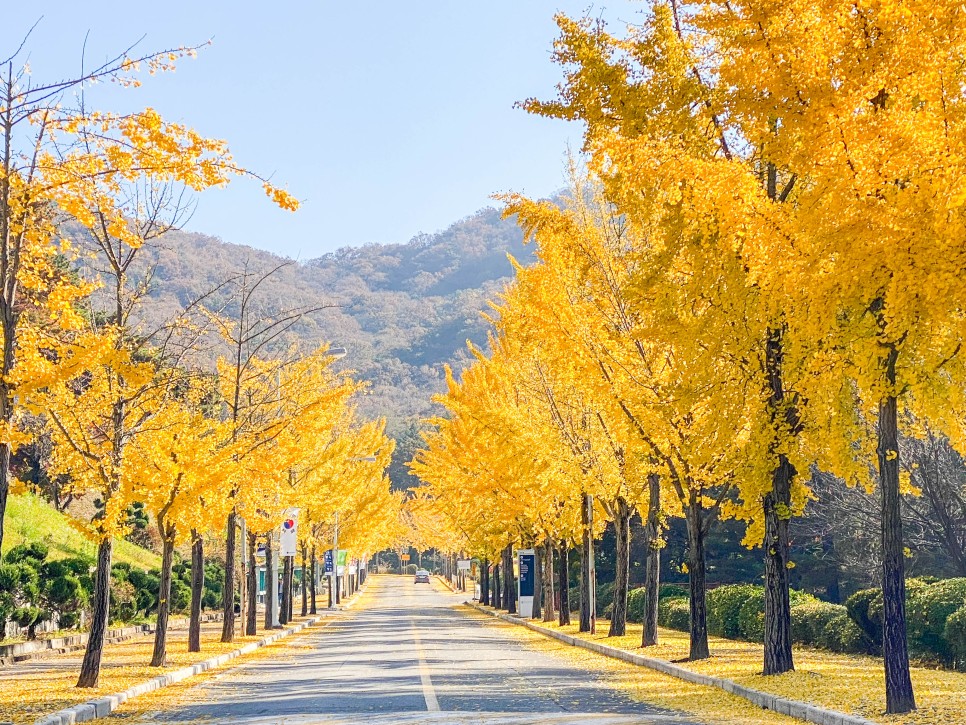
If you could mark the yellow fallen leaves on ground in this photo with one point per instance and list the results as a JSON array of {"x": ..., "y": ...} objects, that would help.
[
  {"x": 39, "y": 687},
  {"x": 707, "y": 704},
  {"x": 852, "y": 684}
]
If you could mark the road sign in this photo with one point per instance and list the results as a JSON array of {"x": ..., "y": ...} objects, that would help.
[
  {"x": 404, "y": 557},
  {"x": 463, "y": 564}
]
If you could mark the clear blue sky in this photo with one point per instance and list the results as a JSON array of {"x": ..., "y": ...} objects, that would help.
[{"x": 386, "y": 118}]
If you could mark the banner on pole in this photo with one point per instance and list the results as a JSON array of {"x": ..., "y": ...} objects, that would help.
[
  {"x": 327, "y": 558},
  {"x": 527, "y": 562},
  {"x": 289, "y": 538}
]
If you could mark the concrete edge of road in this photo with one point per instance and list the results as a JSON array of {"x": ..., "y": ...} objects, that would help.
[
  {"x": 765, "y": 700},
  {"x": 104, "y": 706},
  {"x": 446, "y": 583}
]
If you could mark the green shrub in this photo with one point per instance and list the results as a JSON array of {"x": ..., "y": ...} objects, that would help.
[
  {"x": 675, "y": 613},
  {"x": 825, "y": 625},
  {"x": 841, "y": 634},
  {"x": 672, "y": 591},
  {"x": 68, "y": 620},
  {"x": 751, "y": 617},
  {"x": 929, "y": 603},
  {"x": 30, "y": 616},
  {"x": 861, "y": 610},
  {"x": 927, "y": 609},
  {"x": 810, "y": 620},
  {"x": 605, "y": 599},
  {"x": 955, "y": 634},
  {"x": 636, "y": 604},
  {"x": 33, "y": 553},
  {"x": 724, "y": 607},
  {"x": 180, "y": 596}
]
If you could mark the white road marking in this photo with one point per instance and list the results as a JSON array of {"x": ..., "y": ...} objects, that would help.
[{"x": 429, "y": 694}]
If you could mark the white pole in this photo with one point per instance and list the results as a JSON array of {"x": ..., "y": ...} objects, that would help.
[
  {"x": 271, "y": 585},
  {"x": 335, "y": 561}
]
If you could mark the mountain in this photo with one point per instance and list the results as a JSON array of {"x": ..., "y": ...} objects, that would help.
[{"x": 401, "y": 310}]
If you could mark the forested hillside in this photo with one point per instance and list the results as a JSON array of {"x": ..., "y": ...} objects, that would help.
[{"x": 401, "y": 310}]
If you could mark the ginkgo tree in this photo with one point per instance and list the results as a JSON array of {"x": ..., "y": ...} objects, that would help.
[
  {"x": 85, "y": 165},
  {"x": 183, "y": 475}
]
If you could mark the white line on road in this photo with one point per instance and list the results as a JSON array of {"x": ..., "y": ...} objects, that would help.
[{"x": 429, "y": 694}]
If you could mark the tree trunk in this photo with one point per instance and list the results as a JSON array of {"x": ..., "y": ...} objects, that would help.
[
  {"x": 895, "y": 652},
  {"x": 546, "y": 551},
  {"x": 485, "y": 582},
  {"x": 305, "y": 582},
  {"x": 312, "y": 586},
  {"x": 509, "y": 586},
  {"x": 563, "y": 583},
  {"x": 696, "y": 579},
  {"x": 197, "y": 591},
  {"x": 588, "y": 597},
  {"x": 622, "y": 527},
  {"x": 497, "y": 589},
  {"x": 271, "y": 586},
  {"x": 251, "y": 616},
  {"x": 777, "y": 505},
  {"x": 228, "y": 592},
  {"x": 4, "y": 478},
  {"x": 537, "y": 584},
  {"x": 164, "y": 602},
  {"x": 286, "y": 588},
  {"x": 100, "y": 609},
  {"x": 652, "y": 566}
]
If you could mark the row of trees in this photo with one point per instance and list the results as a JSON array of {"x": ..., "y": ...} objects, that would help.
[
  {"x": 758, "y": 274},
  {"x": 130, "y": 412}
]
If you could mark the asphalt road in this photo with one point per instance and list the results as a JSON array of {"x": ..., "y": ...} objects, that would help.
[{"x": 407, "y": 655}]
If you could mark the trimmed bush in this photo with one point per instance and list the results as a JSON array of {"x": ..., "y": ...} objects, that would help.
[
  {"x": 810, "y": 620},
  {"x": 751, "y": 617},
  {"x": 955, "y": 634},
  {"x": 636, "y": 603},
  {"x": 672, "y": 591},
  {"x": 825, "y": 625},
  {"x": 929, "y": 603},
  {"x": 861, "y": 611},
  {"x": 724, "y": 607},
  {"x": 675, "y": 613},
  {"x": 841, "y": 634},
  {"x": 927, "y": 609}
]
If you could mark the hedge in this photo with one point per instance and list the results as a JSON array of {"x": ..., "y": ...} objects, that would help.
[
  {"x": 930, "y": 603},
  {"x": 674, "y": 613},
  {"x": 955, "y": 633},
  {"x": 724, "y": 609}
]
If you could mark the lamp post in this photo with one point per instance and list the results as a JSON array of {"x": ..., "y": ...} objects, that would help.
[{"x": 334, "y": 600}]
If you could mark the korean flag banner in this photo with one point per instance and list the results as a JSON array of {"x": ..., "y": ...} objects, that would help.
[{"x": 289, "y": 538}]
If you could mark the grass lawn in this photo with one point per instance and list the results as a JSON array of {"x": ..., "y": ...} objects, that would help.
[
  {"x": 29, "y": 518},
  {"x": 847, "y": 683}
]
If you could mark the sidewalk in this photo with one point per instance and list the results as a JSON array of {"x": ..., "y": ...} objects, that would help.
[{"x": 39, "y": 687}]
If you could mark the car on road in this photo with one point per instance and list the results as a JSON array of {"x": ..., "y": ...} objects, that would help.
[{"x": 422, "y": 576}]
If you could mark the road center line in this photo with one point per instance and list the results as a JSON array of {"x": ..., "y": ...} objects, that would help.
[{"x": 429, "y": 694}]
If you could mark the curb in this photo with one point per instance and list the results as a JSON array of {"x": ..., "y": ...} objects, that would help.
[
  {"x": 43, "y": 648},
  {"x": 765, "y": 700},
  {"x": 103, "y": 706},
  {"x": 446, "y": 583}
]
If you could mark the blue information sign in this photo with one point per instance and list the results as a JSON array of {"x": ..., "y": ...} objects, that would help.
[
  {"x": 526, "y": 573},
  {"x": 327, "y": 558}
]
